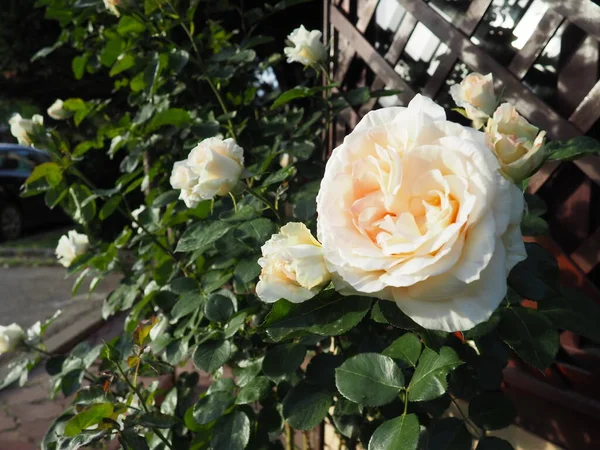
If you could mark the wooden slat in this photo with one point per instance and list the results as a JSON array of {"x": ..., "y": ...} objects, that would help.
[
  {"x": 583, "y": 13},
  {"x": 588, "y": 111},
  {"x": 587, "y": 255},
  {"x": 526, "y": 101},
  {"x": 373, "y": 59},
  {"x": 546, "y": 28},
  {"x": 366, "y": 10},
  {"x": 467, "y": 25}
]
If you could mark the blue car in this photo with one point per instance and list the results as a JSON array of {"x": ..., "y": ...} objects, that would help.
[{"x": 17, "y": 213}]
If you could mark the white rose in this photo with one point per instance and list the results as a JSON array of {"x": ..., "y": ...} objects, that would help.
[
  {"x": 58, "y": 112},
  {"x": 190, "y": 198},
  {"x": 111, "y": 5},
  {"x": 182, "y": 176},
  {"x": 515, "y": 142},
  {"x": 292, "y": 266},
  {"x": 413, "y": 209},
  {"x": 476, "y": 95},
  {"x": 70, "y": 246},
  {"x": 307, "y": 47},
  {"x": 25, "y": 129},
  {"x": 218, "y": 164},
  {"x": 10, "y": 337},
  {"x": 286, "y": 159}
]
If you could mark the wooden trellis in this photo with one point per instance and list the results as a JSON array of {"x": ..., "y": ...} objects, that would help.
[{"x": 347, "y": 24}]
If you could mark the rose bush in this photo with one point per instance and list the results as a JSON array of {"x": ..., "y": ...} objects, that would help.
[{"x": 211, "y": 224}]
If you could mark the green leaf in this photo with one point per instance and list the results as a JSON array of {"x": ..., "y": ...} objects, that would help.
[
  {"x": 174, "y": 116},
  {"x": 187, "y": 304},
  {"x": 534, "y": 226},
  {"x": 531, "y": 335},
  {"x": 281, "y": 175},
  {"x": 406, "y": 347},
  {"x": 493, "y": 443},
  {"x": 90, "y": 416},
  {"x": 124, "y": 62},
  {"x": 119, "y": 300},
  {"x": 202, "y": 235},
  {"x": 282, "y": 359},
  {"x": 211, "y": 355},
  {"x": 256, "y": 232},
  {"x": 294, "y": 93},
  {"x": 222, "y": 384},
  {"x": 574, "y": 148},
  {"x": 166, "y": 198},
  {"x": 255, "y": 390},
  {"x": 305, "y": 201},
  {"x": 78, "y": 65},
  {"x": 401, "y": 433},
  {"x": 573, "y": 311},
  {"x": 395, "y": 317},
  {"x": 429, "y": 380},
  {"x": 50, "y": 171},
  {"x": 218, "y": 308},
  {"x": 213, "y": 406},
  {"x": 321, "y": 370},
  {"x": 109, "y": 207},
  {"x": 492, "y": 411},
  {"x": 246, "y": 372},
  {"x": 246, "y": 270},
  {"x": 538, "y": 276},
  {"x": 231, "y": 432},
  {"x": 369, "y": 379},
  {"x": 449, "y": 434},
  {"x": 130, "y": 25},
  {"x": 358, "y": 96},
  {"x": 305, "y": 406},
  {"x": 157, "y": 420},
  {"x": 328, "y": 314}
]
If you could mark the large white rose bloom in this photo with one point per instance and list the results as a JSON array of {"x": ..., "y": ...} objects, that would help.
[
  {"x": 24, "y": 129},
  {"x": 413, "y": 209},
  {"x": 307, "y": 47},
  {"x": 292, "y": 266},
  {"x": 10, "y": 337},
  {"x": 70, "y": 246}
]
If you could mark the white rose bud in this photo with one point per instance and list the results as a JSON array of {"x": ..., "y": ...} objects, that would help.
[
  {"x": 25, "y": 129},
  {"x": 58, "y": 112},
  {"x": 70, "y": 246},
  {"x": 516, "y": 143},
  {"x": 10, "y": 337},
  {"x": 286, "y": 159},
  {"x": 307, "y": 47},
  {"x": 218, "y": 164},
  {"x": 293, "y": 266},
  {"x": 111, "y": 5},
  {"x": 476, "y": 95}
]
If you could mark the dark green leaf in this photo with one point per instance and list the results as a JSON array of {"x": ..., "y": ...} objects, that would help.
[
  {"x": 538, "y": 276},
  {"x": 401, "y": 433},
  {"x": 283, "y": 359},
  {"x": 231, "y": 432},
  {"x": 281, "y": 175},
  {"x": 109, "y": 207},
  {"x": 395, "y": 317},
  {"x": 78, "y": 65},
  {"x": 328, "y": 314},
  {"x": 187, "y": 304},
  {"x": 492, "y": 411},
  {"x": 358, "y": 96},
  {"x": 406, "y": 347},
  {"x": 175, "y": 116},
  {"x": 429, "y": 380},
  {"x": 449, "y": 434},
  {"x": 212, "y": 406},
  {"x": 201, "y": 235},
  {"x": 211, "y": 355},
  {"x": 131, "y": 441},
  {"x": 531, "y": 335},
  {"x": 255, "y": 390},
  {"x": 218, "y": 308},
  {"x": 120, "y": 299},
  {"x": 321, "y": 370},
  {"x": 157, "y": 420},
  {"x": 305, "y": 406},
  {"x": 572, "y": 149},
  {"x": 130, "y": 25},
  {"x": 369, "y": 379},
  {"x": 493, "y": 443},
  {"x": 534, "y": 226},
  {"x": 166, "y": 198},
  {"x": 244, "y": 374},
  {"x": 294, "y": 93}
]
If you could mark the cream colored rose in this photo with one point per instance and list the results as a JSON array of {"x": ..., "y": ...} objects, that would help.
[
  {"x": 413, "y": 209},
  {"x": 111, "y": 5},
  {"x": 70, "y": 246},
  {"x": 476, "y": 95},
  {"x": 218, "y": 165},
  {"x": 58, "y": 112},
  {"x": 292, "y": 266},
  {"x": 10, "y": 337},
  {"x": 25, "y": 129},
  {"x": 516, "y": 143},
  {"x": 307, "y": 47}
]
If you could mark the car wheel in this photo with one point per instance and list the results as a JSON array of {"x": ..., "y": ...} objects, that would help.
[{"x": 11, "y": 222}]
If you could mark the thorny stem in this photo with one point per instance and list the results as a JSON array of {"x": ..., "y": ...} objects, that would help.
[
  {"x": 266, "y": 202},
  {"x": 480, "y": 435},
  {"x": 143, "y": 403}
]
